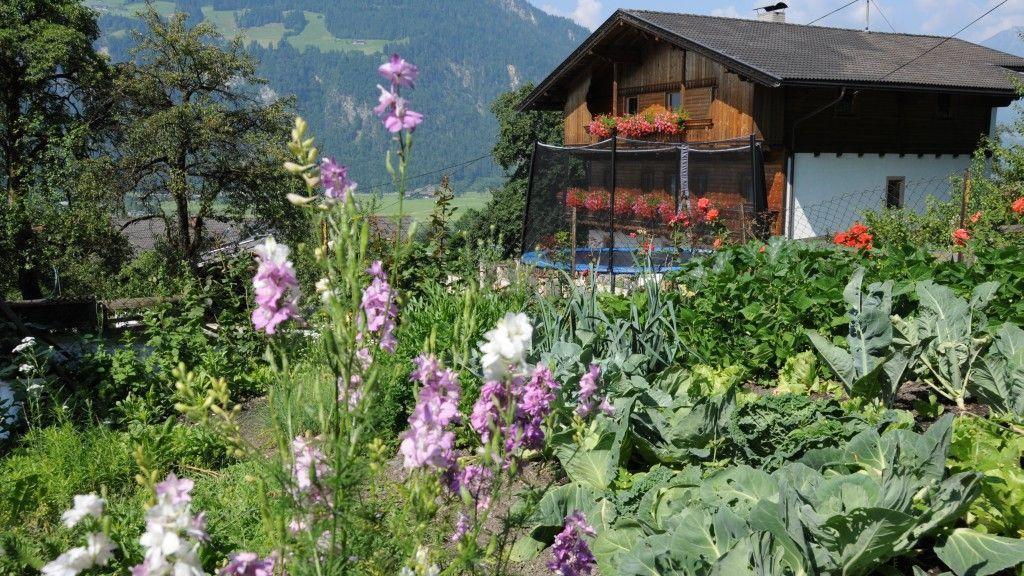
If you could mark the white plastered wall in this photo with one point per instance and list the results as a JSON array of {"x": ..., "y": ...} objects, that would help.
[{"x": 830, "y": 191}]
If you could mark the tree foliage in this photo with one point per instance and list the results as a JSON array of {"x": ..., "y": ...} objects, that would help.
[
  {"x": 502, "y": 218},
  {"x": 53, "y": 94},
  {"x": 201, "y": 134}
]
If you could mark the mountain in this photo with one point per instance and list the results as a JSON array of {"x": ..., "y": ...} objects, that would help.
[{"x": 327, "y": 53}]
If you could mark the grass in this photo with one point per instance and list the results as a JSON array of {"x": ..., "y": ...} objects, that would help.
[
  {"x": 129, "y": 9},
  {"x": 316, "y": 34},
  {"x": 420, "y": 208}
]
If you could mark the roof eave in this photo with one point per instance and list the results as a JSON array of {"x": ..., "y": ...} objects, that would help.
[
  {"x": 900, "y": 86},
  {"x": 621, "y": 16}
]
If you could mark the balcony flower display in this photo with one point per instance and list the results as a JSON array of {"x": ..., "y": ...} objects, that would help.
[
  {"x": 663, "y": 123},
  {"x": 575, "y": 197},
  {"x": 596, "y": 200},
  {"x": 655, "y": 204},
  {"x": 624, "y": 200}
]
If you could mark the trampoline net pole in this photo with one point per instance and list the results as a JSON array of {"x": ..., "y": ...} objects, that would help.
[{"x": 611, "y": 252}]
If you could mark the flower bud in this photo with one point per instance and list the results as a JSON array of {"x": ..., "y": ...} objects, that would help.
[{"x": 299, "y": 200}]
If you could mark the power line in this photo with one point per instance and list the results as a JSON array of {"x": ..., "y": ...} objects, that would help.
[
  {"x": 432, "y": 172},
  {"x": 943, "y": 41},
  {"x": 851, "y": 3},
  {"x": 879, "y": 8}
]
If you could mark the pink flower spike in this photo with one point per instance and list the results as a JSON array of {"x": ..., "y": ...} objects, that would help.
[
  {"x": 399, "y": 72},
  {"x": 401, "y": 118}
]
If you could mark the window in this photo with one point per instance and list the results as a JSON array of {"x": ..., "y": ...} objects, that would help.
[
  {"x": 894, "y": 187},
  {"x": 673, "y": 100},
  {"x": 845, "y": 106},
  {"x": 943, "y": 106},
  {"x": 632, "y": 105}
]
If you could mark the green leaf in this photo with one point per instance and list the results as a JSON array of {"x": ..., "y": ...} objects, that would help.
[
  {"x": 595, "y": 461},
  {"x": 968, "y": 552},
  {"x": 868, "y": 537},
  {"x": 840, "y": 360},
  {"x": 611, "y": 543}
]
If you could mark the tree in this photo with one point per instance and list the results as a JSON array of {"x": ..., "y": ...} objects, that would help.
[
  {"x": 502, "y": 217},
  {"x": 202, "y": 133},
  {"x": 52, "y": 98}
]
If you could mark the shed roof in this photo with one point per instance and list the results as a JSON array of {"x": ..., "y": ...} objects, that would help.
[{"x": 778, "y": 53}]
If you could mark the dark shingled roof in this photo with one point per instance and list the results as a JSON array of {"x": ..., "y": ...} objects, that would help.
[
  {"x": 777, "y": 53},
  {"x": 794, "y": 52}
]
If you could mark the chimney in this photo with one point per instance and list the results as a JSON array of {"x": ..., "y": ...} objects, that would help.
[
  {"x": 774, "y": 16},
  {"x": 772, "y": 12}
]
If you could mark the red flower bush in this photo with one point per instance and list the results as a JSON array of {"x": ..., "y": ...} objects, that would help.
[
  {"x": 643, "y": 208},
  {"x": 857, "y": 236},
  {"x": 596, "y": 200},
  {"x": 624, "y": 202},
  {"x": 1018, "y": 205},
  {"x": 575, "y": 197}
]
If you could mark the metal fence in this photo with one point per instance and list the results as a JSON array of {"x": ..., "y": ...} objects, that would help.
[{"x": 841, "y": 211}]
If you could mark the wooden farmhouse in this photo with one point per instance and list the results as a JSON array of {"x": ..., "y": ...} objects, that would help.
[{"x": 835, "y": 110}]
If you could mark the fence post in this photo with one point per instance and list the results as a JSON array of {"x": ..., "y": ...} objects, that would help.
[
  {"x": 611, "y": 252},
  {"x": 526, "y": 207}
]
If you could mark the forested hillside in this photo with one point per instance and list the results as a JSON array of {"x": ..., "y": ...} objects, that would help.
[{"x": 468, "y": 50}]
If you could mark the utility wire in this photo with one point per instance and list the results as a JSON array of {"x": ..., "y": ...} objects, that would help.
[
  {"x": 943, "y": 41},
  {"x": 879, "y": 8},
  {"x": 851, "y": 3},
  {"x": 432, "y": 172}
]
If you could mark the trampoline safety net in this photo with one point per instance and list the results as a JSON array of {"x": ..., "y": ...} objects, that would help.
[{"x": 613, "y": 204}]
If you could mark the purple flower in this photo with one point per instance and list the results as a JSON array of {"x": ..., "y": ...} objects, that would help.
[
  {"x": 175, "y": 490},
  {"x": 461, "y": 528},
  {"x": 334, "y": 177},
  {"x": 393, "y": 110},
  {"x": 379, "y": 309},
  {"x": 474, "y": 482},
  {"x": 532, "y": 404},
  {"x": 399, "y": 72},
  {"x": 588, "y": 400},
  {"x": 426, "y": 444},
  {"x": 276, "y": 287},
  {"x": 570, "y": 552},
  {"x": 309, "y": 468},
  {"x": 248, "y": 564}
]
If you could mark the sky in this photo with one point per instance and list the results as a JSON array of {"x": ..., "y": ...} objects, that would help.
[{"x": 938, "y": 17}]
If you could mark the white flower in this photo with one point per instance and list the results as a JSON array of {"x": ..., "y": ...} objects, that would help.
[
  {"x": 69, "y": 563},
  {"x": 273, "y": 252},
  {"x": 85, "y": 505},
  {"x": 26, "y": 343},
  {"x": 25, "y": 368},
  {"x": 505, "y": 345},
  {"x": 100, "y": 548},
  {"x": 323, "y": 288}
]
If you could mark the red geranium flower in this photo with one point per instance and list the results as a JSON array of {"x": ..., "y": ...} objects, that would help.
[
  {"x": 975, "y": 217},
  {"x": 703, "y": 204},
  {"x": 712, "y": 215},
  {"x": 961, "y": 236},
  {"x": 1018, "y": 205},
  {"x": 717, "y": 244},
  {"x": 858, "y": 236}
]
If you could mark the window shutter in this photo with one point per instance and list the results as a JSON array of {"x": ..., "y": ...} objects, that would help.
[{"x": 697, "y": 102}]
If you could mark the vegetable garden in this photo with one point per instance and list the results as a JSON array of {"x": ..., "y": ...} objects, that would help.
[{"x": 773, "y": 408}]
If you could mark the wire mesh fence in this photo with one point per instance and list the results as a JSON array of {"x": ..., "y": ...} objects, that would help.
[
  {"x": 598, "y": 205},
  {"x": 841, "y": 211}
]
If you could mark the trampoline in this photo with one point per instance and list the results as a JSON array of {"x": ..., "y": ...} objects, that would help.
[
  {"x": 624, "y": 260},
  {"x": 612, "y": 204}
]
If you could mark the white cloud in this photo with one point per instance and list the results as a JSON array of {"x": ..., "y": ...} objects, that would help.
[
  {"x": 729, "y": 11},
  {"x": 587, "y": 13}
]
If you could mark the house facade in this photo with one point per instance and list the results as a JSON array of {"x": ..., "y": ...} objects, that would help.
[{"x": 836, "y": 110}]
